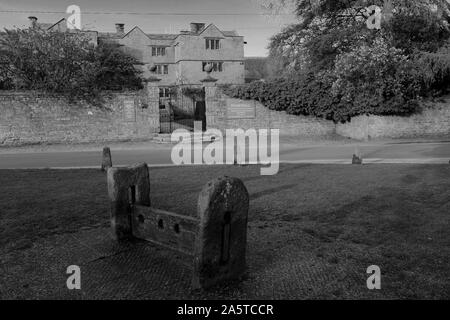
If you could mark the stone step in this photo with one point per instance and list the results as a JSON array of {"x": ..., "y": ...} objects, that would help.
[
  {"x": 162, "y": 138},
  {"x": 166, "y": 137}
]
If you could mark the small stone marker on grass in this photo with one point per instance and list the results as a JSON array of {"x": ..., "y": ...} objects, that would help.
[
  {"x": 215, "y": 239},
  {"x": 106, "y": 159},
  {"x": 357, "y": 158}
]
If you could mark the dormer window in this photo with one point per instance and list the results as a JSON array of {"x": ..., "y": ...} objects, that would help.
[
  {"x": 212, "y": 44},
  {"x": 158, "y": 51}
]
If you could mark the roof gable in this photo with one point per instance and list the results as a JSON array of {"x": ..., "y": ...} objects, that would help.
[
  {"x": 162, "y": 36},
  {"x": 135, "y": 31},
  {"x": 230, "y": 33},
  {"x": 49, "y": 26},
  {"x": 211, "y": 31}
]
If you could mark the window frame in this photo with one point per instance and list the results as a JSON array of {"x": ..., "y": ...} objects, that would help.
[
  {"x": 212, "y": 44},
  {"x": 217, "y": 66},
  {"x": 162, "y": 68},
  {"x": 158, "y": 51},
  {"x": 164, "y": 92}
]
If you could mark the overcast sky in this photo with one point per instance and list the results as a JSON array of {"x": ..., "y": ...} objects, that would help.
[{"x": 247, "y": 17}]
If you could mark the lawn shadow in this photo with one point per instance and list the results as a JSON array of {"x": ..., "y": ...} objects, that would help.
[{"x": 267, "y": 192}]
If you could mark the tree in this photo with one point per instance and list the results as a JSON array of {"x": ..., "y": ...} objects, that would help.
[
  {"x": 336, "y": 66},
  {"x": 276, "y": 8},
  {"x": 65, "y": 63},
  {"x": 39, "y": 60},
  {"x": 328, "y": 28},
  {"x": 377, "y": 71},
  {"x": 256, "y": 68},
  {"x": 376, "y": 79},
  {"x": 115, "y": 70}
]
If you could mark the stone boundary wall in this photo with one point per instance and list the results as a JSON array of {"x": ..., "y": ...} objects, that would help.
[
  {"x": 33, "y": 118},
  {"x": 259, "y": 117},
  {"x": 433, "y": 121},
  {"x": 37, "y": 118}
]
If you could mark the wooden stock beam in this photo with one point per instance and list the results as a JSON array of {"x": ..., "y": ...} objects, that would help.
[{"x": 165, "y": 228}]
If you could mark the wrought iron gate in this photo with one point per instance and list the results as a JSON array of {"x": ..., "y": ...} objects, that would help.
[
  {"x": 200, "y": 113},
  {"x": 165, "y": 121},
  {"x": 172, "y": 118}
]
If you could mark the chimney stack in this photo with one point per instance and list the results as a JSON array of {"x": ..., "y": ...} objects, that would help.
[
  {"x": 120, "y": 28},
  {"x": 33, "y": 22},
  {"x": 197, "y": 27}
]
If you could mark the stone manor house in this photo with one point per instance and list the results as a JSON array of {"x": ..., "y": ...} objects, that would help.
[
  {"x": 181, "y": 58},
  {"x": 176, "y": 59},
  {"x": 173, "y": 62}
]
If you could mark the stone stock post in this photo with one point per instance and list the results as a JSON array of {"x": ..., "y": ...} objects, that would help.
[
  {"x": 211, "y": 102},
  {"x": 153, "y": 103}
]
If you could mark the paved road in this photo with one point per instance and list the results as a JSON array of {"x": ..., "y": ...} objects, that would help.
[{"x": 430, "y": 152}]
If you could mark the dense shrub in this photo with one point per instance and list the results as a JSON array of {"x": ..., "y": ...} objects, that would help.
[
  {"x": 434, "y": 70},
  {"x": 115, "y": 70},
  {"x": 337, "y": 96},
  {"x": 370, "y": 79},
  {"x": 349, "y": 69},
  {"x": 376, "y": 79},
  {"x": 64, "y": 63},
  {"x": 301, "y": 95}
]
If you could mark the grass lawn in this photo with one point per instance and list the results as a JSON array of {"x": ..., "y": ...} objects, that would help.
[{"x": 393, "y": 216}]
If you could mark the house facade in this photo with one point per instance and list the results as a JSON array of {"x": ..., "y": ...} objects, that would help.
[
  {"x": 175, "y": 59},
  {"x": 180, "y": 59},
  {"x": 175, "y": 66}
]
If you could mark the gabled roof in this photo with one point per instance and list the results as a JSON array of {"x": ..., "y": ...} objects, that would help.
[
  {"x": 163, "y": 36},
  {"x": 45, "y": 26},
  {"x": 49, "y": 26},
  {"x": 211, "y": 25},
  {"x": 153, "y": 36},
  {"x": 230, "y": 34},
  {"x": 132, "y": 30},
  {"x": 54, "y": 24},
  {"x": 109, "y": 35}
]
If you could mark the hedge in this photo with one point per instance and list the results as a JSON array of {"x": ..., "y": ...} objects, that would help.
[{"x": 312, "y": 95}]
